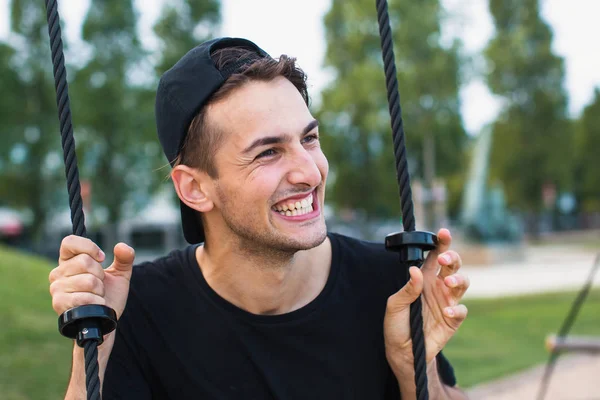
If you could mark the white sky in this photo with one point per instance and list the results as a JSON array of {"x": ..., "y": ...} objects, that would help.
[{"x": 283, "y": 26}]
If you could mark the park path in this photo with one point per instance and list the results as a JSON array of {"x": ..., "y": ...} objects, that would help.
[
  {"x": 576, "y": 377},
  {"x": 542, "y": 269}
]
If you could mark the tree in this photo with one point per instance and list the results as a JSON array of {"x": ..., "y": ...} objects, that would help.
[
  {"x": 587, "y": 177},
  {"x": 11, "y": 131},
  {"x": 120, "y": 152},
  {"x": 354, "y": 113},
  {"x": 30, "y": 155},
  {"x": 532, "y": 138},
  {"x": 183, "y": 25}
]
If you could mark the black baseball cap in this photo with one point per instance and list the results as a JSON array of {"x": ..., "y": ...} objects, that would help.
[{"x": 182, "y": 92}]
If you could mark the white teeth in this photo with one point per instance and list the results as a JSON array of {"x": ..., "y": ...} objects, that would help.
[
  {"x": 301, "y": 207},
  {"x": 288, "y": 213},
  {"x": 294, "y": 213}
]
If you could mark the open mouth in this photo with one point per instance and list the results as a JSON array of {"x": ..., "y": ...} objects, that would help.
[{"x": 296, "y": 206}]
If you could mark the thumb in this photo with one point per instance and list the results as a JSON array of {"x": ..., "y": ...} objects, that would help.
[
  {"x": 402, "y": 299},
  {"x": 123, "y": 262}
]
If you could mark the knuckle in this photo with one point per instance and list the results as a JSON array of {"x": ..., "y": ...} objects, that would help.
[
  {"x": 53, "y": 275},
  {"x": 53, "y": 287},
  {"x": 89, "y": 283},
  {"x": 97, "y": 286},
  {"x": 58, "y": 303},
  {"x": 68, "y": 241},
  {"x": 87, "y": 262}
]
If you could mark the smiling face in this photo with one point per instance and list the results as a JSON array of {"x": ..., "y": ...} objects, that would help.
[{"x": 270, "y": 188}]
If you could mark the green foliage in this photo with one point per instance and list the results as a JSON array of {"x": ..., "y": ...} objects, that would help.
[
  {"x": 117, "y": 91},
  {"x": 354, "y": 113},
  {"x": 183, "y": 25},
  {"x": 112, "y": 101},
  {"x": 532, "y": 137},
  {"x": 587, "y": 149},
  {"x": 29, "y": 129},
  {"x": 119, "y": 148}
]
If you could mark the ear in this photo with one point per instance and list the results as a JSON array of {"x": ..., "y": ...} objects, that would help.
[{"x": 193, "y": 187}]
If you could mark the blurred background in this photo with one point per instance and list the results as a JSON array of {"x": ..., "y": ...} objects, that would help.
[{"x": 501, "y": 107}]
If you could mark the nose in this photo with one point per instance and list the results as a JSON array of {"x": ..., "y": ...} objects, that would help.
[{"x": 304, "y": 169}]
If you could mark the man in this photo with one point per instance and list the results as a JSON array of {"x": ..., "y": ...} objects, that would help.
[{"x": 264, "y": 303}]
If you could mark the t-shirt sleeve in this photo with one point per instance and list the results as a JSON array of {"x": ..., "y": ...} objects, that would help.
[
  {"x": 445, "y": 370},
  {"x": 124, "y": 378}
]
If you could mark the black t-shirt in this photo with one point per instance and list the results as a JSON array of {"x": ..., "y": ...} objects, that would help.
[{"x": 178, "y": 339}]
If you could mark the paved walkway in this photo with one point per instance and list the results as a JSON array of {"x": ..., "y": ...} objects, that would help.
[
  {"x": 542, "y": 269},
  {"x": 576, "y": 377}
]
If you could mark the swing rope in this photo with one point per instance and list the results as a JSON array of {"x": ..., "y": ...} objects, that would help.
[
  {"x": 408, "y": 218},
  {"x": 70, "y": 159}
]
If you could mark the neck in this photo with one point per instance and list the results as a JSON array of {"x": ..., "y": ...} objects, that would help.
[{"x": 265, "y": 281}]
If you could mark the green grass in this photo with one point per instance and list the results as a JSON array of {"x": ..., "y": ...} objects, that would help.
[
  {"x": 34, "y": 358},
  {"x": 504, "y": 336},
  {"x": 501, "y": 336}
]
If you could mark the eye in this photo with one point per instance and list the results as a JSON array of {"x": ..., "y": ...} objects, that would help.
[
  {"x": 311, "y": 138},
  {"x": 267, "y": 153}
]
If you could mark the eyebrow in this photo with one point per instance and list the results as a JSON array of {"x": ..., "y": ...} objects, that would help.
[{"x": 267, "y": 140}]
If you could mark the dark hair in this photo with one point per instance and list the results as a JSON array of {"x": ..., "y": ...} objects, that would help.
[{"x": 202, "y": 140}]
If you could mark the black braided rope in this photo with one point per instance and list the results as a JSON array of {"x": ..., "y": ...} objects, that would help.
[
  {"x": 92, "y": 382},
  {"x": 408, "y": 218},
  {"x": 566, "y": 327},
  {"x": 70, "y": 159},
  {"x": 64, "y": 115}
]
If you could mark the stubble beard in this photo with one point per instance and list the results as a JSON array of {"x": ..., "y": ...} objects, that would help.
[{"x": 267, "y": 242}]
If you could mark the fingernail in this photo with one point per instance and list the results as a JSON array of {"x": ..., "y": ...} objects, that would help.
[
  {"x": 450, "y": 311},
  {"x": 101, "y": 255},
  {"x": 452, "y": 282},
  {"x": 447, "y": 258}
]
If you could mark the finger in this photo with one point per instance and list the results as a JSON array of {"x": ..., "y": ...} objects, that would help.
[
  {"x": 85, "y": 283},
  {"x": 123, "y": 262},
  {"x": 409, "y": 293},
  {"x": 73, "y": 245},
  {"x": 450, "y": 262},
  {"x": 457, "y": 314},
  {"x": 444, "y": 240},
  {"x": 80, "y": 264},
  {"x": 62, "y": 302},
  {"x": 458, "y": 283}
]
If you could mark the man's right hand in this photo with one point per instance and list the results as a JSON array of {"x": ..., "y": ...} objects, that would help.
[{"x": 79, "y": 280}]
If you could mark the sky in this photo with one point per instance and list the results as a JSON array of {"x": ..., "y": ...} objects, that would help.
[{"x": 281, "y": 26}]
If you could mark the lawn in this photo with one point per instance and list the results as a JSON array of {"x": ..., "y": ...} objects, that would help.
[
  {"x": 503, "y": 336},
  {"x": 34, "y": 357},
  {"x": 500, "y": 336}
]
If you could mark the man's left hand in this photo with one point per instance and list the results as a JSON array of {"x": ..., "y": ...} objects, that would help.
[{"x": 442, "y": 288}]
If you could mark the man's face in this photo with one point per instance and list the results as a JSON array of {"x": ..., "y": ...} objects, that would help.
[{"x": 271, "y": 170}]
